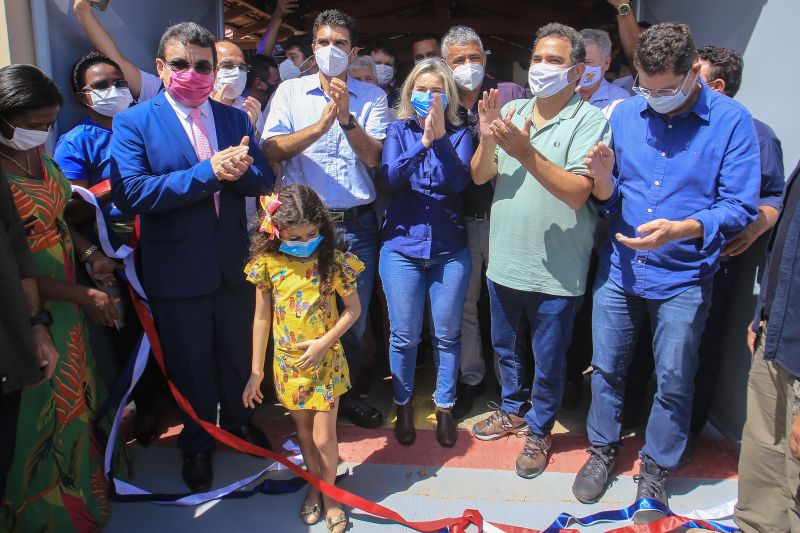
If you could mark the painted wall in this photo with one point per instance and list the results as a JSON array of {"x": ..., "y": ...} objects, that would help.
[
  {"x": 757, "y": 29},
  {"x": 136, "y": 25},
  {"x": 16, "y": 42}
]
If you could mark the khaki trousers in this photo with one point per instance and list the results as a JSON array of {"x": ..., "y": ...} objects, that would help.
[{"x": 769, "y": 477}]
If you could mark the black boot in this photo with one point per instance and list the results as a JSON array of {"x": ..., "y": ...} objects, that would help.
[
  {"x": 465, "y": 397},
  {"x": 592, "y": 479},
  {"x": 652, "y": 484},
  {"x": 197, "y": 471}
]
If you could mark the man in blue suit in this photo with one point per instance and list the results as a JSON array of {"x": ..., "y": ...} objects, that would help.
[{"x": 184, "y": 164}]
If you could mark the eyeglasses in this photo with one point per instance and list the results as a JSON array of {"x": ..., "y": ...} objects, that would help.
[
  {"x": 201, "y": 67},
  {"x": 658, "y": 93},
  {"x": 104, "y": 85},
  {"x": 244, "y": 67}
]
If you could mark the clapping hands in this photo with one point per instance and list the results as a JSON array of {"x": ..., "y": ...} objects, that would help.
[{"x": 231, "y": 164}]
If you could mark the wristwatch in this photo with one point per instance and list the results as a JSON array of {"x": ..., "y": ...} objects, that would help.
[
  {"x": 43, "y": 317},
  {"x": 623, "y": 9},
  {"x": 351, "y": 124}
]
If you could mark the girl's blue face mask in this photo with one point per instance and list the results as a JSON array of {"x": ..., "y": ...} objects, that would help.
[
  {"x": 421, "y": 101},
  {"x": 301, "y": 248}
]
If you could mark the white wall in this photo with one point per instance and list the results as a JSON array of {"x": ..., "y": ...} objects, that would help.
[
  {"x": 136, "y": 25},
  {"x": 765, "y": 32}
]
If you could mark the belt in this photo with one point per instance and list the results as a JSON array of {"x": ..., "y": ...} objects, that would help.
[{"x": 344, "y": 215}]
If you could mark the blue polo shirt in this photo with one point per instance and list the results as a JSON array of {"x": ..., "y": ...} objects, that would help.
[{"x": 703, "y": 165}]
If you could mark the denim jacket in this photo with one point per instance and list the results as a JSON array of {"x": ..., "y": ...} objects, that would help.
[{"x": 783, "y": 328}]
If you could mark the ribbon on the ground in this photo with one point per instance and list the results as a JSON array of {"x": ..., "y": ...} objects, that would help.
[{"x": 151, "y": 342}]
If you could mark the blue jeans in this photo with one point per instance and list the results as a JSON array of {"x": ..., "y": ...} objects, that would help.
[
  {"x": 677, "y": 324},
  {"x": 361, "y": 236},
  {"x": 548, "y": 321},
  {"x": 407, "y": 282}
]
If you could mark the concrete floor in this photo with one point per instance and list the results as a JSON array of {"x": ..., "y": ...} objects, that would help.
[{"x": 421, "y": 482}]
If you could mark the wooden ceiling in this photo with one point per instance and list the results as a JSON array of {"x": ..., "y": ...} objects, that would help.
[{"x": 506, "y": 26}]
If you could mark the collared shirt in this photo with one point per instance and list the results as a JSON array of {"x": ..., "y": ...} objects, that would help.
[
  {"x": 478, "y": 198},
  {"x": 607, "y": 97},
  {"x": 536, "y": 241},
  {"x": 207, "y": 119},
  {"x": 779, "y": 301},
  {"x": 625, "y": 83},
  {"x": 424, "y": 218},
  {"x": 701, "y": 165},
  {"x": 773, "y": 179},
  {"x": 83, "y": 153},
  {"x": 330, "y": 166}
]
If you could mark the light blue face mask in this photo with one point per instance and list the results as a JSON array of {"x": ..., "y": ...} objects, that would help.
[
  {"x": 301, "y": 248},
  {"x": 421, "y": 101}
]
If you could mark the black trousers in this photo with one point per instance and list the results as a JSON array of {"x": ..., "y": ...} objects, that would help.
[
  {"x": 9, "y": 412},
  {"x": 207, "y": 343}
]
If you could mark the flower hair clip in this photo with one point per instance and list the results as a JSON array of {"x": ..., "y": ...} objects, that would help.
[{"x": 270, "y": 204}]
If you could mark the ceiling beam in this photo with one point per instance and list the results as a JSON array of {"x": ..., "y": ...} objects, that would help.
[
  {"x": 238, "y": 11},
  {"x": 254, "y": 7},
  {"x": 437, "y": 25}
]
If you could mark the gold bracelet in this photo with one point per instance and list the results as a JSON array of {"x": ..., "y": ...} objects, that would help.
[{"x": 88, "y": 253}]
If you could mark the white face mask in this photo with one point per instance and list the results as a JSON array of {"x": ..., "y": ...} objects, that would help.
[
  {"x": 23, "y": 139},
  {"x": 591, "y": 76},
  {"x": 385, "y": 74},
  {"x": 111, "y": 101},
  {"x": 234, "y": 81},
  {"x": 668, "y": 104},
  {"x": 546, "y": 80},
  {"x": 289, "y": 71},
  {"x": 331, "y": 60},
  {"x": 469, "y": 76}
]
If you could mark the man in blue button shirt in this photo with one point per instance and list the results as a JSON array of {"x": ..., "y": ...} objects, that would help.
[
  {"x": 686, "y": 175},
  {"x": 326, "y": 130},
  {"x": 769, "y": 463}
]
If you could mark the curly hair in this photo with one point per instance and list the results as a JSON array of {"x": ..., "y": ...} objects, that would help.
[
  {"x": 301, "y": 205},
  {"x": 666, "y": 47},
  {"x": 725, "y": 64}
]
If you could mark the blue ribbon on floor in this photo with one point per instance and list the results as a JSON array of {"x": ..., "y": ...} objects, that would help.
[{"x": 566, "y": 520}]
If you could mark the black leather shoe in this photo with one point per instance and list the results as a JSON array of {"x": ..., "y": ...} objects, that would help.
[
  {"x": 145, "y": 428},
  {"x": 465, "y": 397},
  {"x": 197, "y": 471},
  {"x": 251, "y": 434},
  {"x": 360, "y": 412},
  {"x": 446, "y": 428},
  {"x": 592, "y": 479},
  {"x": 404, "y": 429}
]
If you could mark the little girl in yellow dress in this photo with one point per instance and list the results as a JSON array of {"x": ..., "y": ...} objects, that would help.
[{"x": 299, "y": 271}]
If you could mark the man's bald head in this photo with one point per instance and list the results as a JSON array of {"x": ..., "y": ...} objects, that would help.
[{"x": 230, "y": 54}]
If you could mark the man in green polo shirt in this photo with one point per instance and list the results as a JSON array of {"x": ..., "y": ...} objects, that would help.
[{"x": 541, "y": 235}]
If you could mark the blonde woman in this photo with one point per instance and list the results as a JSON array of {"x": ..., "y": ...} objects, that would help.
[{"x": 426, "y": 158}]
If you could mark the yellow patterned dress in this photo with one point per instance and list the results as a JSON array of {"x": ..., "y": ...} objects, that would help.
[{"x": 297, "y": 316}]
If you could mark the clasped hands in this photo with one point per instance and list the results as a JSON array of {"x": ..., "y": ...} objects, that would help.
[
  {"x": 337, "y": 108},
  {"x": 231, "y": 163}
]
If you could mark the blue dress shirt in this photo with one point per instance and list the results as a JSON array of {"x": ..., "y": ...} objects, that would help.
[
  {"x": 330, "y": 166},
  {"x": 83, "y": 153},
  {"x": 425, "y": 218},
  {"x": 773, "y": 179},
  {"x": 701, "y": 165}
]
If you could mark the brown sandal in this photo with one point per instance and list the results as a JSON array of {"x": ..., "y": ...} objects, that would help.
[
  {"x": 336, "y": 521},
  {"x": 310, "y": 514}
]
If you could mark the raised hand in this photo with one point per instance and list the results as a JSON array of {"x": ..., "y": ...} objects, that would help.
[
  {"x": 340, "y": 94},
  {"x": 437, "y": 112},
  {"x": 329, "y": 113},
  {"x": 599, "y": 163},
  {"x": 516, "y": 142},
  {"x": 284, "y": 8},
  {"x": 252, "y": 107},
  {"x": 488, "y": 112}
]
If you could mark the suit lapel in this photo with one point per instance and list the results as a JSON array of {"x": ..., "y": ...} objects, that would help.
[{"x": 174, "y": 128}]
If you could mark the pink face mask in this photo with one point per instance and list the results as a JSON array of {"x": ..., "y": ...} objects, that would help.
[{"x": 190, "y": 87}]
